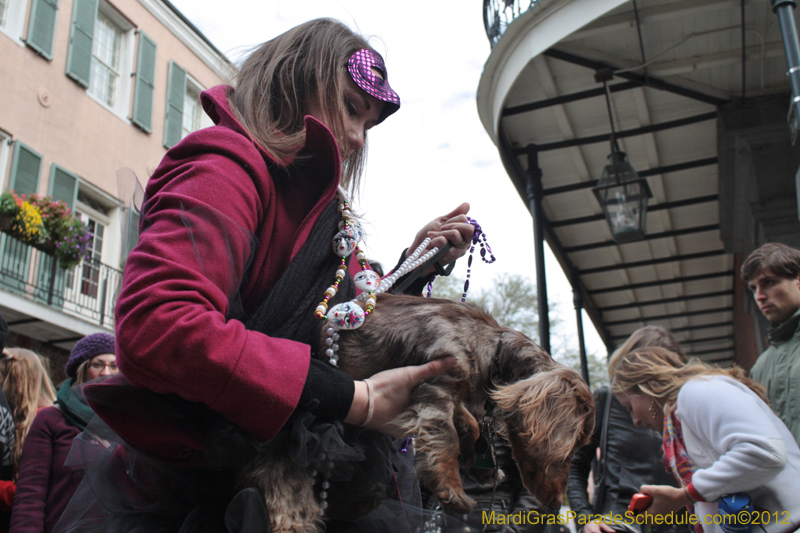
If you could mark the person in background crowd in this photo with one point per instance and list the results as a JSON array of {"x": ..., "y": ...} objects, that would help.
[
  {"x": 45, "y": 484},
  {"x": 630, "y": 456},
  {"x": 772, "y": 273},
  {"x": 7, "y": 486},
  {"x": 719, "y": 437},
  {"x": 28, "y": 389}
]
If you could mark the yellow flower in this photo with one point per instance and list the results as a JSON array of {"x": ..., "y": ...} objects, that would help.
[{"x": 29, "y": 222}]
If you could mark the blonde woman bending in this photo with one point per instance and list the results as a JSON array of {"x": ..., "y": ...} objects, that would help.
[
  {"x": 719, "y": 437},
  {"x": 28, "y": 389}
]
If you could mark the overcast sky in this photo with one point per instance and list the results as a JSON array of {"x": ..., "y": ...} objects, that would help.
[{"x": 433, "y": 153}]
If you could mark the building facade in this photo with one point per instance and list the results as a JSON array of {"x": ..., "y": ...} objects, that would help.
[{"x": 90, "y": 87}]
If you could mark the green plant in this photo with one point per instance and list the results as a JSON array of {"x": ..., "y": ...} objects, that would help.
[
  {"x": 23, "y": 220},
  {"x": 8, "y": 206},
  {"x": 73, "y": 243},
  {"x": 47, "y": 224}
]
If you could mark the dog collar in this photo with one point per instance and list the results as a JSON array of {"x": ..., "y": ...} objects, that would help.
[{"x": 494, "y": 371}]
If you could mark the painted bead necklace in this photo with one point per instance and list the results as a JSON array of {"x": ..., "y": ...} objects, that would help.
[{"x": 351, "y": 315}]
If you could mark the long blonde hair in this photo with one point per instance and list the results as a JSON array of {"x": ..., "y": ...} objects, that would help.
[
  {"x": 660, "y": 373},
  {"x": 28, "y": 388},
  {"x": 646, "y": 336}
]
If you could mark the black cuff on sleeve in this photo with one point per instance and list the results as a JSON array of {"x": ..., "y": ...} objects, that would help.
[{"x": 328, "y": 392}]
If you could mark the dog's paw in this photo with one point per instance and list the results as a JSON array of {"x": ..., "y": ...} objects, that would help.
[{"x": 458, "y": 502}]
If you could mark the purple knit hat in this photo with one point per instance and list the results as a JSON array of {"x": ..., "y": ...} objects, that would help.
[
  {"x": 360, "y": 66},
  {"x": 86, "y": 348}
]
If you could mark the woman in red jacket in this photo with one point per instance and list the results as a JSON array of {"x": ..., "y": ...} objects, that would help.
[
  {"x": 221, "y": 299},
  {"x": 45, "y": 484}
]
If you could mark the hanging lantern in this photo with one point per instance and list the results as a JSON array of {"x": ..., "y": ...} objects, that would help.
[{"x": 623, "y": 196}]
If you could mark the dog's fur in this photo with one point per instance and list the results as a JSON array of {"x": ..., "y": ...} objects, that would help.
[{"x": 544, "y": 409}]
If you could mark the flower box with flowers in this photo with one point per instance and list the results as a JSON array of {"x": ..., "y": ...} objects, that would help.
[{"x": 47, "y": 225}]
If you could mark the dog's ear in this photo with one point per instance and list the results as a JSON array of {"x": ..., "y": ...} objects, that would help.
[{"x": 549, "y": 410}]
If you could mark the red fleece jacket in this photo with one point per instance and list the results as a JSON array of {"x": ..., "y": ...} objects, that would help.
[
  {"x": 44, "y": 484},
  {"x": 215, "y": 202}
]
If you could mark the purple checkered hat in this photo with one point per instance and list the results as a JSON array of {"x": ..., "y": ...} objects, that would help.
[{"x": 360, "y": 66}]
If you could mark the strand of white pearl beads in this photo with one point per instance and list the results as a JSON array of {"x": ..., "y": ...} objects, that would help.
[
  {"x": 413, "y": 261},
  {"x": 350, "y": 315},
  {"x": 324, "y": 468}
]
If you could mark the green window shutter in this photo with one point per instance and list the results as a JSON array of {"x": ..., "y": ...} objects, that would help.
[
  {"x": 42, "y": 26},
  {"x": 25, "y": 167},
  {"x": 79, "y": 56},
  {"x": 145, "y": 81},
  {"x": 132, "y": 233},
  {"x": 176, "y": 92},
  {"x": 63, "y": 185}
]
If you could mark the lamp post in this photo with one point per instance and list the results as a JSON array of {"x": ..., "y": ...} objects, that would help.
[{"x": 623, "y": 196}]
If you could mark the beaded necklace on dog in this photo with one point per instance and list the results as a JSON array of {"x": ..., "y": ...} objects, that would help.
[{"x": 350, "y": 315}]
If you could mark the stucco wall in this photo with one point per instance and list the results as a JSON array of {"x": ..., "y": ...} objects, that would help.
[{"x": 53, "y": 115}]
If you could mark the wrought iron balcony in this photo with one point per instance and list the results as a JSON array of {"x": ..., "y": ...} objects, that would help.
[
  {"x": 498, "y": 14},
  {"x": 88, "y": 290}
]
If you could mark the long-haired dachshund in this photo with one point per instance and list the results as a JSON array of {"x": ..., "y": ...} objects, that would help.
[{"x": 544, "y": 409}]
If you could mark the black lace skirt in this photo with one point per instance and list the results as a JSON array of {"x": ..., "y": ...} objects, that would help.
[{"x": 127, "y": 491}]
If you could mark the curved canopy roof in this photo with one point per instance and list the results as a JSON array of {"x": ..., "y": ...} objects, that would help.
[{"x": 682, "y": 90}]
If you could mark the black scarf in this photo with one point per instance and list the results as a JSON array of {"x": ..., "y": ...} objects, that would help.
[{"x": 288, "y": 311}]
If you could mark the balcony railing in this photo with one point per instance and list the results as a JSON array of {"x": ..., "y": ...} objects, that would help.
[
  {"x": 498, "y": 14},
  {"x": 88, "y": 290}
]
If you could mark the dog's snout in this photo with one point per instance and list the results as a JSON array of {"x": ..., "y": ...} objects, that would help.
[{"x": 555, "y": 505}]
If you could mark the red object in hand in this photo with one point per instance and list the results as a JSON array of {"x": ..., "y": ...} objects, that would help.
[{"x": 639, "y": 503}]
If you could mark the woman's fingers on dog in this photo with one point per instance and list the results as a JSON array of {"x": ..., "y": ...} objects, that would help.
[
  {"x": 392, "y": 391},
  {"x": 432, "y": 369}
]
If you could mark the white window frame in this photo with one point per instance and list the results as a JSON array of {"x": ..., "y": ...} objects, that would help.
[
  {"x": 78, "y": 272},
  {"x": 193, "y": 86},
  {"x": 16, "y": 21},
  {"x": 5, "y": 150},
  {"x": 111, "y": 238},
  {"x": 122, "y": 107}
]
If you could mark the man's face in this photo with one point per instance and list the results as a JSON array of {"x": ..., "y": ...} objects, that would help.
[{"x": 777, "y": 297}]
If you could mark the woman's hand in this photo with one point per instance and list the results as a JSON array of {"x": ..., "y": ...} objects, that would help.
[
  {"x": 391, "y": 394},
  {"x": 666, "y": 499},
  {"x": 597, "y": 527},
  {"x": 452, "y": 227}
]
